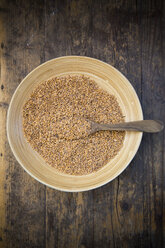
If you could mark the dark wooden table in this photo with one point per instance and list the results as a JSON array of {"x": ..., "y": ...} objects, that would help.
[{"x": 129, "y": 211}]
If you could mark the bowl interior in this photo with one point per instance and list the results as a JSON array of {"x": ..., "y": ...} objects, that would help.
[{"x": 109, "y": 79}]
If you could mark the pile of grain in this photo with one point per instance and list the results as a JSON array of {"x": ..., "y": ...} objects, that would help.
[
  {"x": 72, "y": 128},
  {"x": 68, "y": 97}
]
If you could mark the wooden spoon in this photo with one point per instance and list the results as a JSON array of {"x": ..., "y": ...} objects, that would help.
[
  {"x": 149, "y": 126},
  {"x": 77, "y": 128}
]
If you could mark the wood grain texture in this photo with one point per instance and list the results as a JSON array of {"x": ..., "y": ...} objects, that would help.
[{"x": 129, "y": 211}]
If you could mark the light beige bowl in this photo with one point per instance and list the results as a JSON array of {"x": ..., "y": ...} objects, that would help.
[{"x": 109, "y": 79}]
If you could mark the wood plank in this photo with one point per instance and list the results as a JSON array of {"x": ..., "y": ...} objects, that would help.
[
  {"x": 69, "y": 215},
  {"x": 121, "y": 222},
  {"x": 153, "y": 92},
  {"x": 24, "y": 196},
  {"x": 4, "y": 99}
]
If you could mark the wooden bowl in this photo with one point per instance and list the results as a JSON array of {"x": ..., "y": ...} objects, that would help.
[{"x": 108, "y": 78}]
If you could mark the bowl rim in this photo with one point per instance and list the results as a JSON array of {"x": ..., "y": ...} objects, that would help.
[{"x": 17, "y": 157}]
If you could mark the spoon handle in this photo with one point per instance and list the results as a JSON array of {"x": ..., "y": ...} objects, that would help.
[{"x": 149, "y": 126}]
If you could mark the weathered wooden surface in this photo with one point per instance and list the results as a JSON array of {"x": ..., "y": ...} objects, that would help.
[{"x": 129, "y": 211}]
